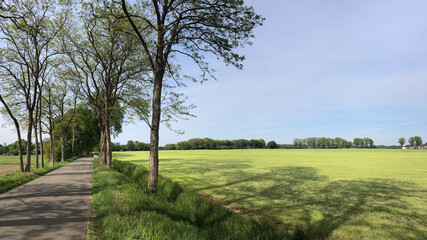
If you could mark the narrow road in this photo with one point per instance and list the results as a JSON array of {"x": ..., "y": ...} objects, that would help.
[{"x": 54, "y": 206}]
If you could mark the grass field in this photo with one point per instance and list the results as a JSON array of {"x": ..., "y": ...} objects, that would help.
[
  {"x": 11, "y": 163},
  {"x": 123, "y": 208},
  {"x": 14, "y": 160},
  {"x": 332, "y": 194}
]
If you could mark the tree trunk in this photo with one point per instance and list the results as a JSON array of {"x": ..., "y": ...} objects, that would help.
[
  {"x": 36, "y": 141},
  {"x": 80, "y": 148},
  {"x": 30, "y": 129},
  {"x": 102, "y": 159},
  {"x": 21, "y": 160},
  {"x": 41, "y": 141},
  {"x": 154, "y": 133},
  {"x": 62, "y": 137},
  {"x": 40, "y": 132},
  {"x": 108, "y": 152},
  {"x": 72, "y": 142},
  {"x": 18, "y": 132},
  {"x": 52, "y": 146}
]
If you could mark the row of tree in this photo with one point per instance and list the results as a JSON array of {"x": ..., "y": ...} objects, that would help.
[
  {"x": 416, "y": 141},
  {"x": 60, "y": 58},
  {"x": 208, "y": 143},
  {"x": 80, "y": 139},
  {"x": 313, "y": 142},
  {"x": 323, "y": 142},
  {"x": 199, "y": 143},
  {"x": 12, "y": 149},
  {"x": 131, "y": 146},
  {"x": 113, "y": 57}
]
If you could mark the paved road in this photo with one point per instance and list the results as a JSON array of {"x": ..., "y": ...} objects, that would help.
[{"x": 54, "y": 206}]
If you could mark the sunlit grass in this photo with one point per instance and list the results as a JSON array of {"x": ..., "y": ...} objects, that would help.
[
  {"x": 350, "y": 194},
  {"x": 125, "y": 209},
  {"x": 14, "y": 160}
]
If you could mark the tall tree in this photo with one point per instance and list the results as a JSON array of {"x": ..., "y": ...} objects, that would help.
[
  {"x": 191, "y": 28},
  {"x": 49, "y": 113},
  {"x": 411, "y": 141},
  {"x": 402, "y": 141},
  {"x": 18, "y": 130},
  {"x": 418, "y": 141},
  {"x": 28, "y": 40},
  {"x": 66, "y": 104},
  {"x": 106, "y": 62}
]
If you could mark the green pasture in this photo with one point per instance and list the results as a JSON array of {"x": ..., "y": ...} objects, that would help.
[
  {"x": 14, "y": 160},
  {"x": 331, "y": 194}
]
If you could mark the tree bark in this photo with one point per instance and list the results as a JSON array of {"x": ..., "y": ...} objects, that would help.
[
  {"x": 36, "y": 142},
  {"x": 108, "y": 153},
  {"x": 21, "y": 160},
  {"x": 154, "y": 133},
  {"x": 72, "y": 142},
  {"x": 30, "y": 129},
  {"x": 18, "y": 132},
  {"x": 62, "y": 137},
  {"x": 41, "y": 141},
  {"x": 102, "y": 159},
  {"x": 52, "y": 147}
]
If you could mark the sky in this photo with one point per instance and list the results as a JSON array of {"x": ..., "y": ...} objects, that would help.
[{"x": 316, "y": 69}]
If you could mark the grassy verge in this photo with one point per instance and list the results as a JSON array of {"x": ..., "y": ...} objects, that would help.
[
  {"x": 15, "y": 179},
  {"x": 124, "y": 208}
]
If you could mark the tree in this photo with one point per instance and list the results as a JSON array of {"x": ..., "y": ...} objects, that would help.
[
  {"x": 411, "y": 141},
  {"x": 18, "y": 132},
  {"x": 402, "y": 141},
  {"x": 193, "y": 29},
  {"x": 367, "y": 142},
  {"x": 298, "y": 143},
  {"x": 272, "y": 145},
  {"x": 29, "y": 37},
  {"x": 418, "y": 141},
  {"x": 86, "y": 131},
  {"x": 170, "y": 146},
  {"x": 66, "y": 104},
  {"x": 357, "y": 142},
  {"x": 130, "y": 145},
  {"x": 106, "y": 62}
]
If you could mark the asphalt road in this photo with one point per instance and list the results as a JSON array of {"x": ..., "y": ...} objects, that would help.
[{"x": 54, "y": 206}]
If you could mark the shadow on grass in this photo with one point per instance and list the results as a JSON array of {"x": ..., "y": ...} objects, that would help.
[
  {"x": 170, "y": 213},
  {"x": 301, "y": 197},
  {"x": 321, "y": 206}
]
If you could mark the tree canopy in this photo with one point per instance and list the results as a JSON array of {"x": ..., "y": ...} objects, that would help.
[{"x": 194, "y": 29}]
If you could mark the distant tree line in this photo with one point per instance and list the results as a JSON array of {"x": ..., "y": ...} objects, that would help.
[
  {"x": 298, "y": 143},
  {"x": 77, "y": 134},
  {"x": 324, "y": 143},
  {"x": 208, "y": 143},
  {"x": 12, "y": 149},
  {"x": 414, "y": 142},
  {"x": 131, "y": 146}
]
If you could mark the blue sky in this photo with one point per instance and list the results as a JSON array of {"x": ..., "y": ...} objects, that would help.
[{"x": 316, "y": 68}]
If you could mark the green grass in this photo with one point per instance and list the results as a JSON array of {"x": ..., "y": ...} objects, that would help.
[
  {"x": 331, "y": 194},
  {"x": 14, "y": 160},
  {"x": 15, "y": 179},
  {"x": 123, "y": 208}
]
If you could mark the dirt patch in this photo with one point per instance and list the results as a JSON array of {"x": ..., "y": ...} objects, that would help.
[{"x": 8, "y": 168}]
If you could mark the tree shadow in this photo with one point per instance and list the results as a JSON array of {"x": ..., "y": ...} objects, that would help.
[{"x": 299, "y": 197}]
